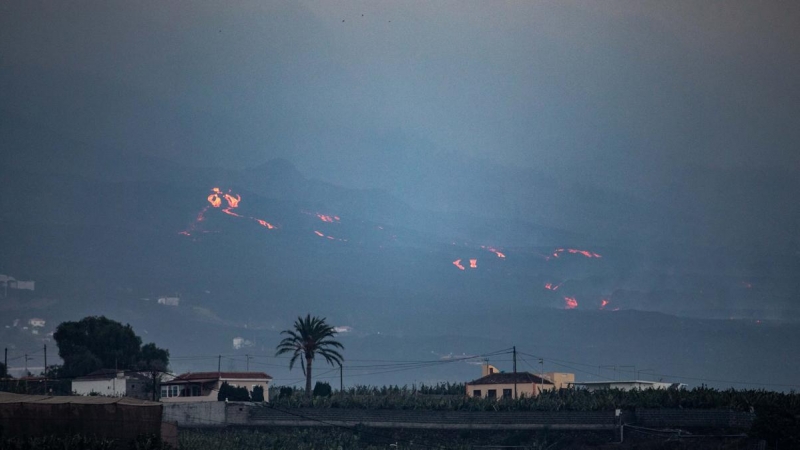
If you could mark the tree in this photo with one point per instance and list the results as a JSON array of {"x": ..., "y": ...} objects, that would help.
[
  {"x": 322, "y": 389},
  {"x": 258, "y": 394},
  {"x": 233, "y": 393},
  {"x": 311, "y": 336},
  {"x": 95, "y": 343},
  {"x": 3, "y": 372}
]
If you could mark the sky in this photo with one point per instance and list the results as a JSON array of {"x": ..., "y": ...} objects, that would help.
[{"x": 639, "y": 98}]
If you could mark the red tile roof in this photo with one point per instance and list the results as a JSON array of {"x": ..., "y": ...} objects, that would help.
[
  {"x": 511, "y": 378},
  {"x": 223, "y": 375}
]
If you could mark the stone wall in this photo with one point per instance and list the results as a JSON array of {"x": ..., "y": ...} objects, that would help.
[{"x": 197, "y": 414}]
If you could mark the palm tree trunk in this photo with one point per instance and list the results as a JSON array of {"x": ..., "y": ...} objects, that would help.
[{"x": 308, "y": 377}]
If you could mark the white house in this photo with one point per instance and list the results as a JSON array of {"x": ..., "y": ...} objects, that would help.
[
  {"x": 627, "y": 385},
  {"x": 204, "y": 386},
  {"x": 112, "y": 383}
]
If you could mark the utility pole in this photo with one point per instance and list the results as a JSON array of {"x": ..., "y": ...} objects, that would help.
[
  {"x": 247, "y": 359},
  {"x": 541, "y": 371},
  {"x": 219, "y": 365},
  {"x": 45, "y": 369},
  {"x": 341, "y": 379},
  {"x": 5, "y": 363},
  {"x": 154, "y": 385},
  {"x": 514, "y": 348}
]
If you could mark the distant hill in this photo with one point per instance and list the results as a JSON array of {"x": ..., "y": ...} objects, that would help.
[{"x": 365, "y": 259}]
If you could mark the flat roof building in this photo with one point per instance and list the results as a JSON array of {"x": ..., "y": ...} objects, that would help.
[
  {"x": 627, "y": 385},
  {"x": 205, "y": 386}
]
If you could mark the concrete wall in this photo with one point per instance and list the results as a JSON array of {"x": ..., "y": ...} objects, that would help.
[
  {"x": 694, "y": 418},
  {"x": 244, "y": 414},
  {"x": 196, "y": 414},
  {"x": 220, "y": 414},
  {"x": 561, "y": 380},
  {"x": 114, "y": 387}
]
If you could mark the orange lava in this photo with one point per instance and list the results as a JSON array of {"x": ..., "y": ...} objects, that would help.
[
  {"x": 552, "y": 287},
  {"x": 494, "y": 250},
  {"x": 574, "y": 251},
  {"x": 603, "y": 303},
  {"x": 327, "y": 218},
  {"x": 458, "y": 264},
  {"x": 318, "y": 233},
  {"x": 570, "y": 303},
  {"x": 264, "y": 223},
  {"x": 230, "y": 213},
  {"x": 473, "y": 263},
  {"x": 233, "y": 202},
  {"x": 215, "y": 200}
]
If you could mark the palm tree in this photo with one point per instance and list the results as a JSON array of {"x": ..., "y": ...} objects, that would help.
[{"x": 311, "y": 336}]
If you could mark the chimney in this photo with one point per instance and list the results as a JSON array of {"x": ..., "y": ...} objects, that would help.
[{"x": 488, "y": 369}]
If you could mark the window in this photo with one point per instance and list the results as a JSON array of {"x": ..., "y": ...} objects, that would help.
[
  {"x": 173, "y": 391},
  {"x": 163, "y": 391},
  {"x": 506, "y": 393},
  {"x": 491, "y": 393},
  {"x": 195, "y": 391},
  {"x": 476, "y": 393}
]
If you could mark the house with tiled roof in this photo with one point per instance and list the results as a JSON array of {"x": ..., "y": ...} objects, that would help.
[
  {"x": 205, "y": 386},
  {"x": 496, "y": 384}
]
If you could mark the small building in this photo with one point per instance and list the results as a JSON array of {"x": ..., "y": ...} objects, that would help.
[
  {"x": 205, "y": 386},
  {"x": 627, "y": 385},
  {"x": 113, "y": 383},
  {"x": 561, "y": 380},
  {"x": 496, "y": 384}
]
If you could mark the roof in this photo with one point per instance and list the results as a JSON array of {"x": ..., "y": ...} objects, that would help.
[
  {"x": 107, "y": 374},
  {"x": 511, "y": 378},
  {"x": 7, "y": 397},
  {"x": 204, "y": 376},
  {"x": 587, "y": 383}
]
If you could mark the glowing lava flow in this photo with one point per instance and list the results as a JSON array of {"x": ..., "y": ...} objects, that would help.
[
  {"x": 603, "y": 303},
  {"x": 553, "y": 287},
  {"x": 265, "y": 224},
  {"x": 458, "y": 264},
  {"x": 320, "y": 234},
  {"x": 473, "y": 263},
  {"x": 201, "y": 217},
  {"x": 494, "y": 250},
  {"x": 570, "y": 303},
  {"x": 327, "y": 218},
  {"x": 585, "y": 253},
  {"x": 215, "y": 200}
]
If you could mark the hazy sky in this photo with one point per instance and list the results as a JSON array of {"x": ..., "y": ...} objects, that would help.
[{"x": 621, "y": 91}]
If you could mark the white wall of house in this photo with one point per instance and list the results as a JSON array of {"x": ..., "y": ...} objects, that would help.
[
  {"x": 624, "y": 385},
  {"x": 173, "y": 390},
  {"x": 115, "y": 387}
]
